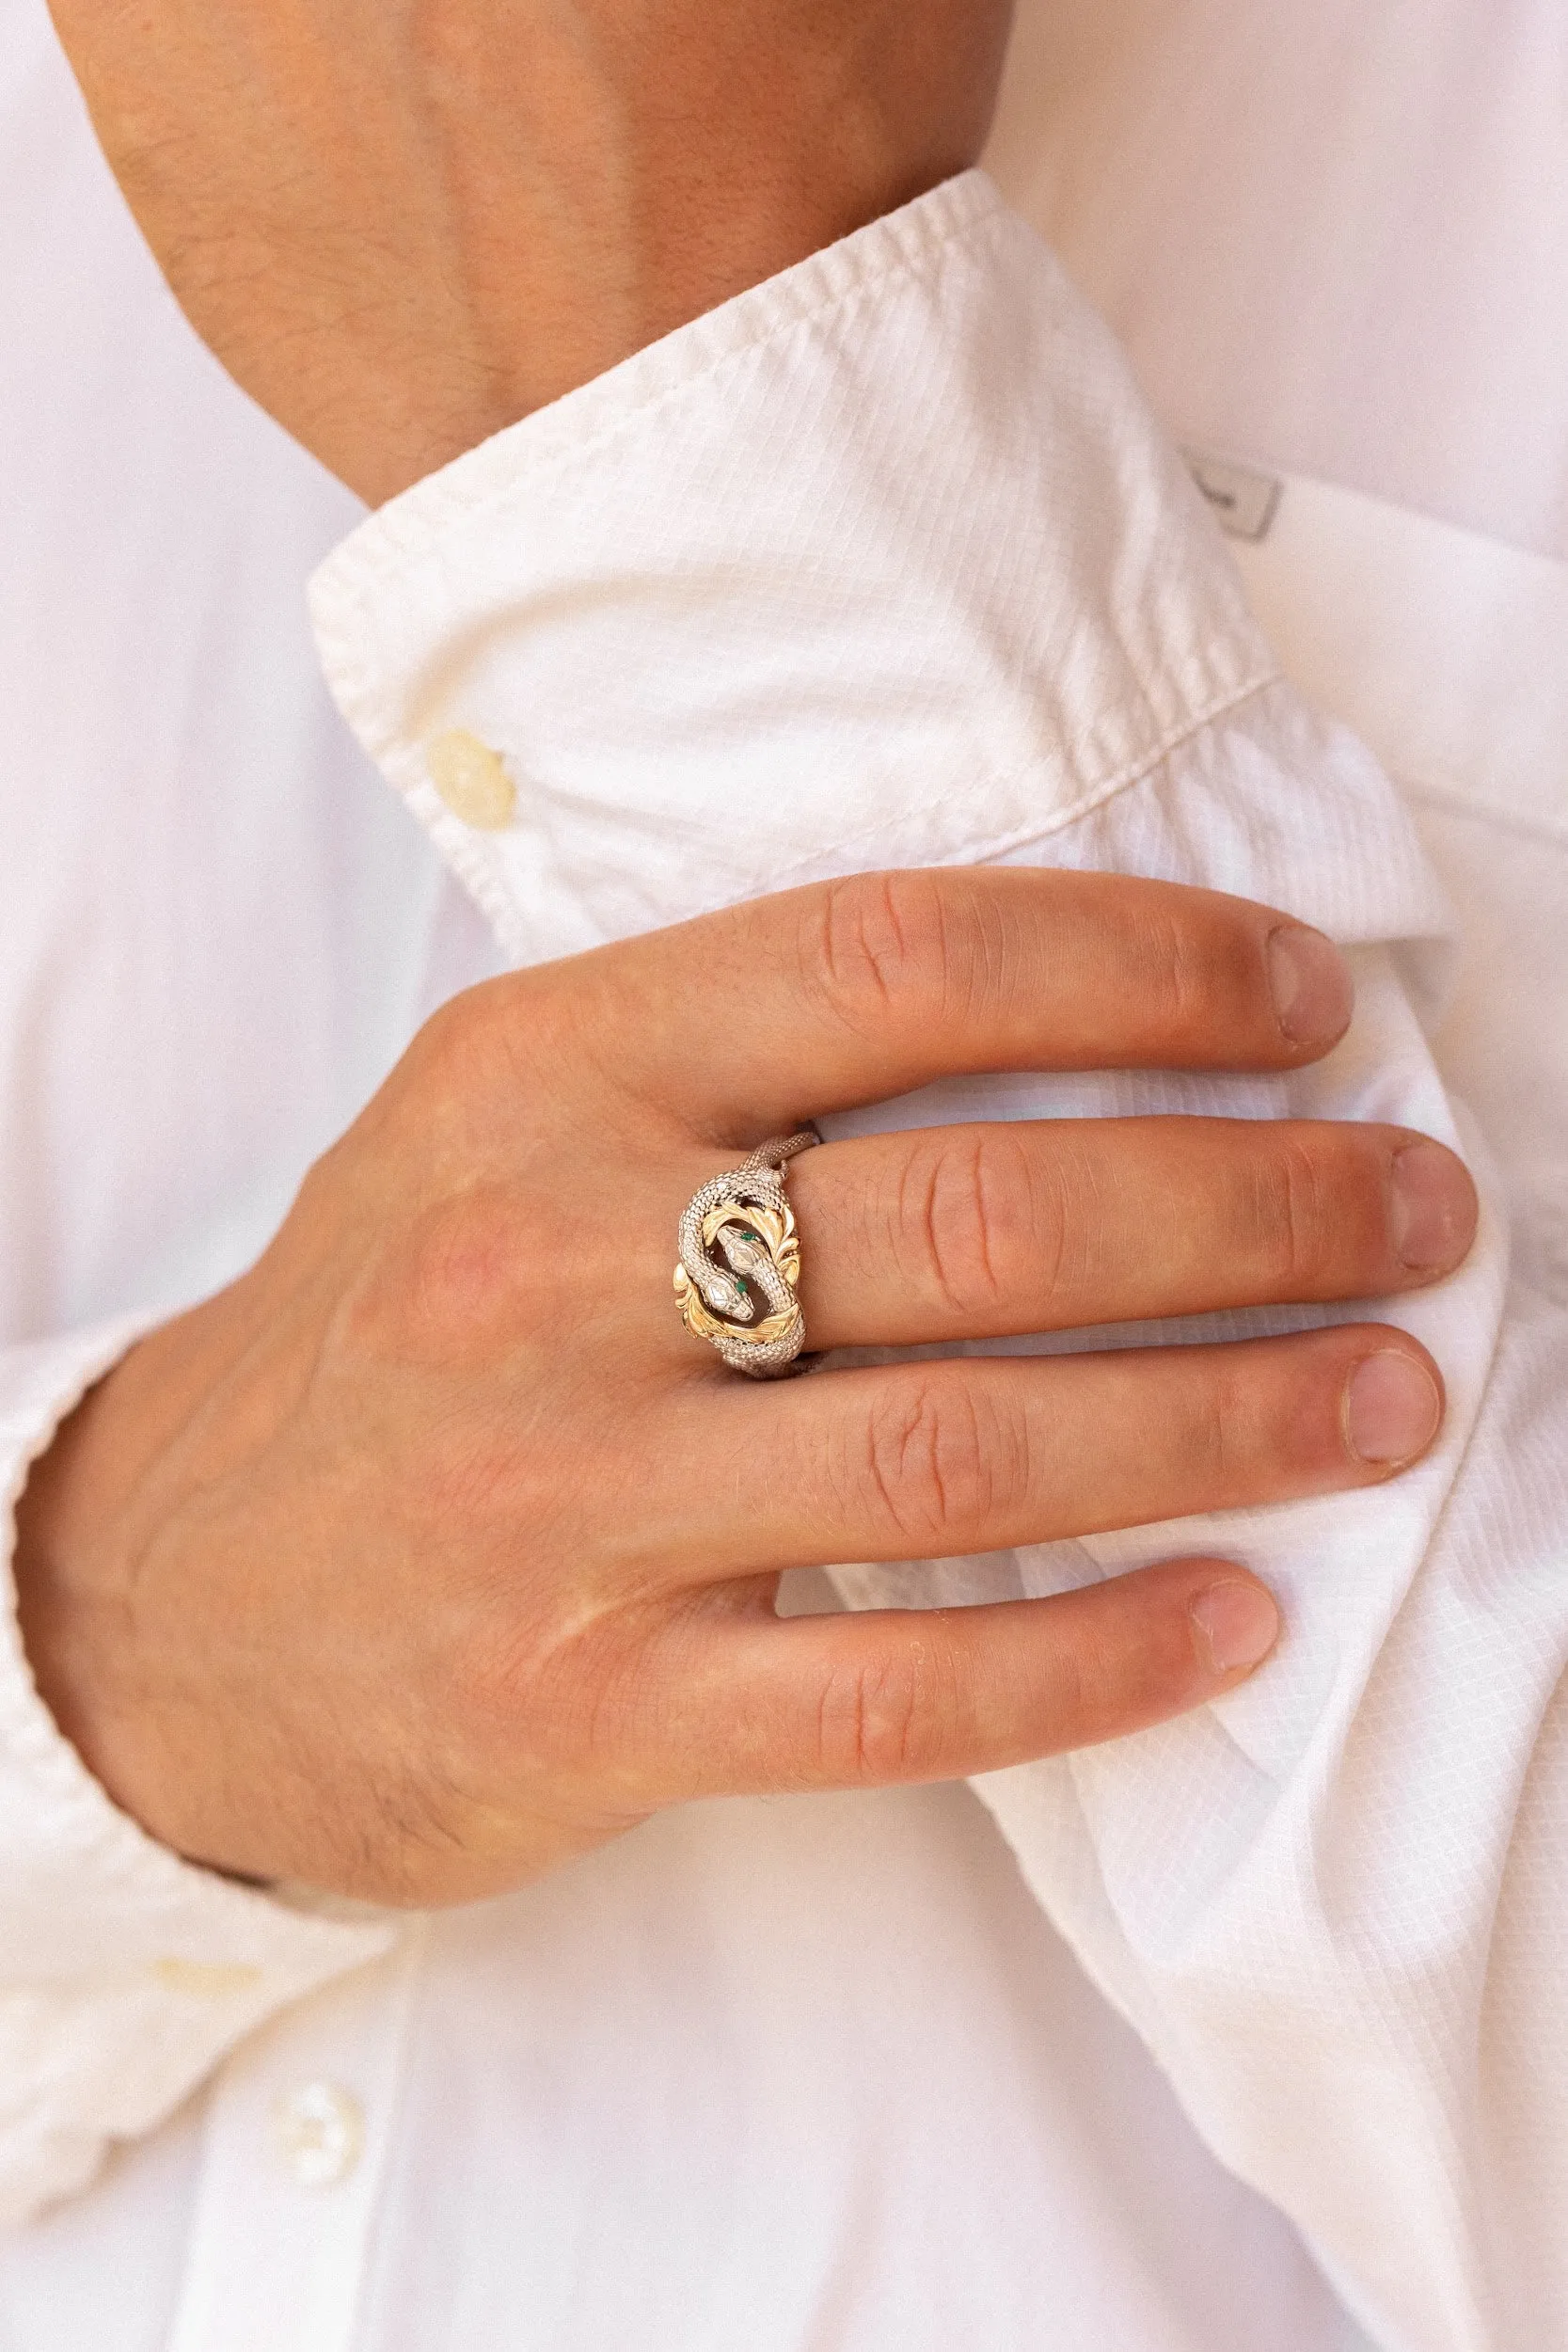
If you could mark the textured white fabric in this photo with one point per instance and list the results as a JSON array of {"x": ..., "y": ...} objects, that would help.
[
  {"x": 882, "y": 562},
  {"x": 1328, "y": 235}
]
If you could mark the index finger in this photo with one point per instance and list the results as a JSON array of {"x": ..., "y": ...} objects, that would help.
[{"x": 848, "y": 993}]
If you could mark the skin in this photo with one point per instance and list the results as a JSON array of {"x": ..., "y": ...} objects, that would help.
[
  {"x": 434, "y": 1549},
  {"x": 402, "y": 224}
]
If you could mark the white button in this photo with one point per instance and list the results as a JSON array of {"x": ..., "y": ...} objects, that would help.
[
  {"x": 470, "y": 779},
  {"x": 321, "y": 2132}
]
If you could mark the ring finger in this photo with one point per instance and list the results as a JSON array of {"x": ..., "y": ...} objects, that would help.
[{"x": 934, "y": 1459}]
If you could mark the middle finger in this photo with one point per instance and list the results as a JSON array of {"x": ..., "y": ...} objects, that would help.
[{"x": 984, "y": 1232}]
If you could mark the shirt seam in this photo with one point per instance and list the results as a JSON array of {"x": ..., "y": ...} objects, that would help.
[{"x": 1133, "y": 772}]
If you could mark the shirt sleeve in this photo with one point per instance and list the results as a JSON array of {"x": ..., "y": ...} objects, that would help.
[
  {"x": 884, "y": 564},
  {"x": 125, "y": 1973}
]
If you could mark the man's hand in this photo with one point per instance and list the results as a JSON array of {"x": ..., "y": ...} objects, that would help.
[
  {"x": 402, "y": 224},
  {"x": 434, "y": 1549}
]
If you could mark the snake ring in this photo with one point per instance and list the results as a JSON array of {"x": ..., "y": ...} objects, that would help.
[{"x": 740, "y": 1261}]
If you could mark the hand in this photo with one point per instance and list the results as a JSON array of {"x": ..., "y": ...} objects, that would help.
[
  {"x": 402, "y": 226},
  {"x": 434, "y": 1549}
]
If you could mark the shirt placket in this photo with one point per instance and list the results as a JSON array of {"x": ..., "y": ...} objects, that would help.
[{"x": 295, "y": 2144}]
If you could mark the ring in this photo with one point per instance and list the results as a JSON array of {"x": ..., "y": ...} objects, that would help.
[{"x": 739, "y": 1245}]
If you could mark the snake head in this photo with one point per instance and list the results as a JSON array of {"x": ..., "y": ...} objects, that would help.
[
  {"x": 752, "y": 1263},
  {"x": 726, "y": 1295}
]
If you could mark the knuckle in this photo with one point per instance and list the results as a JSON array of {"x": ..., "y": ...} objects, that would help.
[
  {"x": 1176, "y": 976},
  {"x": 1295, "y": 1214},
  {"x": 1208, "y": 1430},
  {"x": 456, "y": 1035},
  {"x": 968, "y": 1215},
  {"x": 876, "y": 944},
  {"x": 455, "y": 1287},
  {"x": 941, "y": 1462},
  {"x": 1196, "y": 973},
  {"x": 447, "y": 1075},
  {"x": 486, "y": 1045},
  {"x": 883, "y": 1720},
  {"x": 1244, "y": 1426},
  {"x": 466, "y": 1250},
  {"x": 467, "y": 1270}
]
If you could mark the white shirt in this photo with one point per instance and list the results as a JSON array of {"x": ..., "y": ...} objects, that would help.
[{"x": 887, "y": 557}]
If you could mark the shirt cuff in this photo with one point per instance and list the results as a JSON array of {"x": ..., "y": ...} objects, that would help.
[
  {"x": 881, "y": 563},
  {"x": 125, "y": 1973}
]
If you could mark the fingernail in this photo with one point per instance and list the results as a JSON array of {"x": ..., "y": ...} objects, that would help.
[
  {"x": 1392, "y": 1408},
  {"x": 1431, "y": 1208},
  {"x": 1235, "y": 1623},
  {"x": 1313, "y": 996}
]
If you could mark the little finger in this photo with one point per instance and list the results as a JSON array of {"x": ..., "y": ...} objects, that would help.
[{"x": 879, "y": 1696}]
